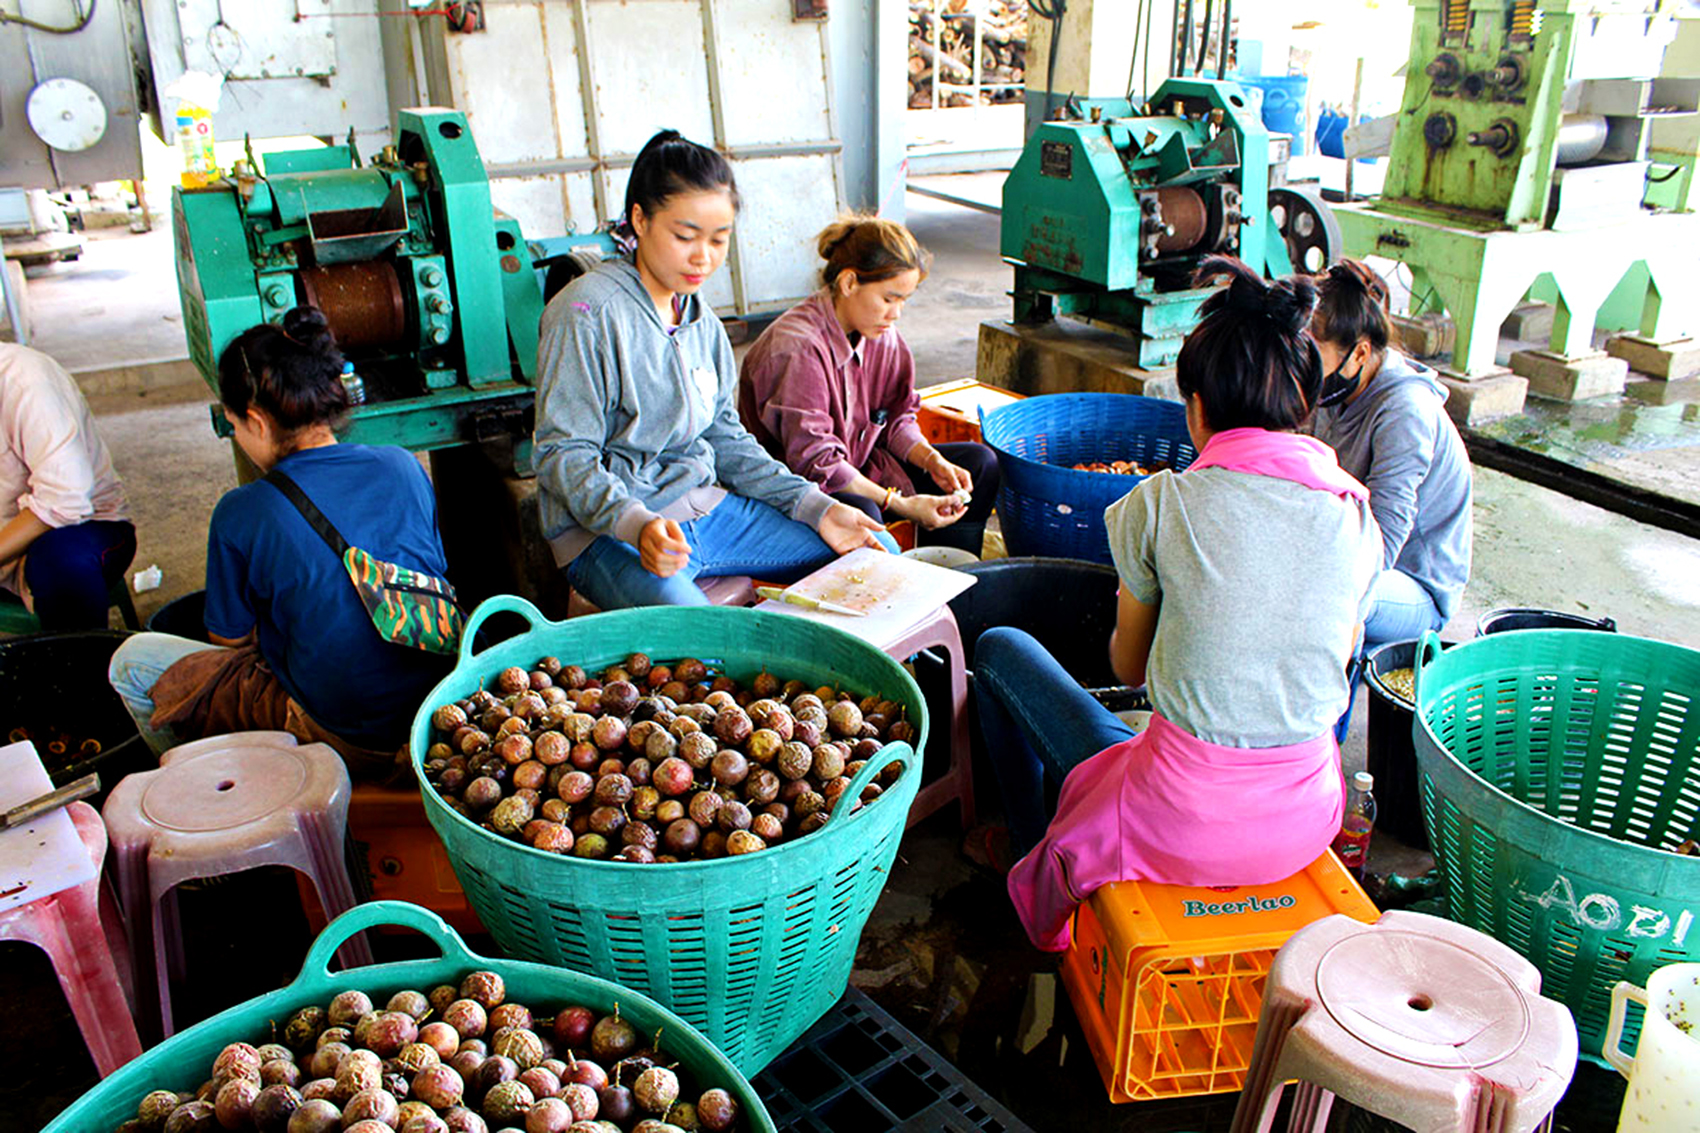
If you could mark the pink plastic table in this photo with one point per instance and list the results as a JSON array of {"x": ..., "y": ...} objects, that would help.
[
  {"x": 223, "y": 805},
  {"x": 1413, "y": 1018},
  {"x": 87, "y": 950}
]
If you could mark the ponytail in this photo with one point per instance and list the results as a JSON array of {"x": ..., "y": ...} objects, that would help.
[{"x": 1251, "y": 360}]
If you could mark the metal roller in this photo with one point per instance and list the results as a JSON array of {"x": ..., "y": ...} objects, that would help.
[
  {"x": 1185, "y": 218},
  {"x": 362, "y": 302},
  {"x": 1581, "y": 137}
]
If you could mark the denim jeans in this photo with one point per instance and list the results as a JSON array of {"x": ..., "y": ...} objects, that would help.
[
  {"x": 1400, "y": 609},
  {"x": 1038, "y": 723},
  {"x": 136, "y": 665},
  {"x": 70, "y": 569},
  {"x": 967, "y": 533},
  {"x": 740, "y": 536}
]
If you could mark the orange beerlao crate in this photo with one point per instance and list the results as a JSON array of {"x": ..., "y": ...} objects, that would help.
[
  {"x": 950, "y": 411},
  {"x": 1167, "y": 980}
]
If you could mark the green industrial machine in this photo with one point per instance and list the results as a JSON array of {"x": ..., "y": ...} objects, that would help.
[
  {"x": 1521, "y": 151},
  {"x": 1107, "y": 220},
  {"x": 430, "y": 292}
]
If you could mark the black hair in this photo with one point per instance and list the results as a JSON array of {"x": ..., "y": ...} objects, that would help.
[
  {"x": 292, "y": 371},
  {"x": 1352, "y": 306},
  {"x": 670, "y": 164},
  {"x": 1251, "y": 361}
]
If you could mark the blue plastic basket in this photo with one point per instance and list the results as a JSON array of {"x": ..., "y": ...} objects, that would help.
[{"x": 1044, "y": 505}]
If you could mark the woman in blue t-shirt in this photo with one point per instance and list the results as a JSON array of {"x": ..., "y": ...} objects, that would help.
[{"x": 296, "y": 649}]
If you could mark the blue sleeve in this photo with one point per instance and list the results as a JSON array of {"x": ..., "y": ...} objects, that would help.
[{"x": 230, "y": 610}]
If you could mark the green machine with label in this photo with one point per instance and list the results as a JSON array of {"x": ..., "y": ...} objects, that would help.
[
  {"x": 431, "y": 293},
  {"x": 1107, "y": 220},
  {"x": 1524, "y": 158}
]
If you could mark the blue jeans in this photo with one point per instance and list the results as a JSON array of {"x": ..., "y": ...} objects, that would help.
[
  {"x": 70, "y": 569},
  {"x": 740, "y": 536},
  {"x": 136, "y": 665},
  {"x": 1038, "y": 723},
  {"x": 1400, "y": 610}
]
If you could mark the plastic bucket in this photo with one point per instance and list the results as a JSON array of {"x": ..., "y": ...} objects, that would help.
[
  {"x": 1283, "y": 103},
  {"x": 1664, "y": 1075},
  {"x": 1068, "y": 604},
  {"x": 752, "y": 949},
  {"x": 1392, "y": 755},
  {"x": 182, "y": 1062},
  {"x": 54, "y": 681},
  {"x": 1525, "y": 617},
  {"x": 184, "y": 616}
]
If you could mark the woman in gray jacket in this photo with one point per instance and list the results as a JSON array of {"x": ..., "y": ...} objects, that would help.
[
  {"x": 648, "y": 478},
  {"x": 1385, "y": 415}
]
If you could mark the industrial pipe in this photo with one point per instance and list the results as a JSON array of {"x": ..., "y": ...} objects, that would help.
[{"x": 1581, "y": 137}]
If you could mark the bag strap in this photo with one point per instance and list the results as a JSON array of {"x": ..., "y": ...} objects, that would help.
[{"x": 315, "y": 518}]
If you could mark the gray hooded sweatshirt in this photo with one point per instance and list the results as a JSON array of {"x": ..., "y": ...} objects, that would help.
[
  {"x": 636, "y": 420},
  {"x": 1398, "y": 439}
]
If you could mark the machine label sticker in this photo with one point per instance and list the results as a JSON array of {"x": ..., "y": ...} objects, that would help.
[
  {"x": 1252, "y": 904},
  {"x": 1056, "y": 159}
]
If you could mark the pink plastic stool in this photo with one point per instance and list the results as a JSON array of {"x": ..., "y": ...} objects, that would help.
[
  {"x": 86, "y": 951},
  {"x": 939, "y": 631},
  {"x": 726, "y": 590},
  {"x": 223, "y": 805},
  {"x": 1414, "y": 1018}
]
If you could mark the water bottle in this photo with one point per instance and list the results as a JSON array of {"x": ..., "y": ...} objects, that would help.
[
  {"x": 1352, "y": 843},
  {"x": 352, "y": 383}
]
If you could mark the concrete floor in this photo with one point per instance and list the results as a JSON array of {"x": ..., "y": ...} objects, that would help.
[{"x": 942, "y": 951}]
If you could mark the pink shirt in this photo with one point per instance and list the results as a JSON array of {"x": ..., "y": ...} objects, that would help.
[
  {"x": 829, "y": 410},
  {"x": 52, "y": 460}
]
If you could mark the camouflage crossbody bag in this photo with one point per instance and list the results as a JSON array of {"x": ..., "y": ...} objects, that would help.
[{"x": 407, "y": 607}]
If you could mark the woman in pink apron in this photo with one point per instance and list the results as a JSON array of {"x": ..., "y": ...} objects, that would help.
[{"x": 1244, "y": 583}]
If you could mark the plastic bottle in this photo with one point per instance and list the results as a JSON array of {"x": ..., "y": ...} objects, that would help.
[
  {"x": 1352, "y": 843},
  {"x": 197, "y": 96},
  {"x": 352, "y": 383}
]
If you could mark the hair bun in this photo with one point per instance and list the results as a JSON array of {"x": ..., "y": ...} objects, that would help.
[
  {"x": 1286, "y": 302},
  {"x": 1355, "y": 273},
  {"x": 309, "y": 327}
]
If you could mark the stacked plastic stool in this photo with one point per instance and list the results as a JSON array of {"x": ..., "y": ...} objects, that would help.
[
  {"x": 69, "y": 927},
  {"x": 219, "y": 806},
  {"x": 1413, "y": 1018},
  {"x": 939, "y": 631}
]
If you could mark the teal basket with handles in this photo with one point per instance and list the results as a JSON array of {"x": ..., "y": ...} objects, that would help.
[
  {"x": 1559, "y": 771},
  {"x": 752, "y": 949},
  {"x": 183, "y": 1061}
]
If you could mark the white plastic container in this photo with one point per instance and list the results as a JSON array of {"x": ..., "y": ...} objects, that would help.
[{"x": 1664, "y": 1075}]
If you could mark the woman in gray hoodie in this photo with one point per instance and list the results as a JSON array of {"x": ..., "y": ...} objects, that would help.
[
  {"x": 648, "y": 479},
  {"x": 1385, "y": 415}
]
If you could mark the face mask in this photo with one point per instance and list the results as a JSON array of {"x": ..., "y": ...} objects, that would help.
[{"x": 1337, "y": 387}]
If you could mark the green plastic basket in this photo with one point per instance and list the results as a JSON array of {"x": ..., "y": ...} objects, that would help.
[
  {"x": 751, "y": 950},
  {"x": 183, "y": 1061},
  {"x": 1557, "y": 771}
]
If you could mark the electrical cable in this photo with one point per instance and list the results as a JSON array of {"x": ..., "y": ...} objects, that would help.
[
  {"x": 1181, "y": 49},
  {"x": 1204, "y": 40},
  {"x": 1674, "y": 170},
  {"x": 1133, "y": 56},
  {"x": 36, "y": 25},
  {"x": 1222, "y": 44},
  {"x": 1053, "y": 11},
  {"x": 1145, "y": 63}
]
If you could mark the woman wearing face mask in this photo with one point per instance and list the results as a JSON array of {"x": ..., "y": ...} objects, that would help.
[
  {"x": 648, "y": 480},
  {"x": 830, "y": 386},
  {"x": 296, "y": 647},
  {"x": 1385, "y": 415}
]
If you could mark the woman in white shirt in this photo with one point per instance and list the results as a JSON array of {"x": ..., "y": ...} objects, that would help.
[{"x": 65, "y": 531}]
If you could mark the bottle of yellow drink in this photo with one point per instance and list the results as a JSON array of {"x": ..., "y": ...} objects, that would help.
[{"x": 197, "y": 100}]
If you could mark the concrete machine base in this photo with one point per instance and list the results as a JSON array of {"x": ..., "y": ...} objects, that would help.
[
  {"x": 1065, "y": 356},
  {"x": 1488, "y": 397},
  {"x": 1575, "y": 378},
  {"x": 1671, "y": 360}
]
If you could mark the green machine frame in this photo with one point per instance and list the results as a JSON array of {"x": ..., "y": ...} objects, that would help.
[
  {"x": 1514, "y": 170},
  {"x": 431, "y": 293},
  {"x": 1106, "y": 220}
]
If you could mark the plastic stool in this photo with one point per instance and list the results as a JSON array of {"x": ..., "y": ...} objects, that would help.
[
  {"x": 724, "y": 590},
  {"x": 219, "y": 806},
  {"x": 1413, "y": 1018},
  {"x": 70, "y": 927},
  {"x": 939, "y": 631}
]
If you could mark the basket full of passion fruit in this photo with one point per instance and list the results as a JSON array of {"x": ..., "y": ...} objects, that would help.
[{"x": 699, "y": 803}]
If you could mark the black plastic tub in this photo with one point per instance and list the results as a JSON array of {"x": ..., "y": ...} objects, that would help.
[
  {"x": 53, "y": 683},
  {"x": 1524, "y": 617},
  {"x": 1392, "y": 753},
  {"x": 1068, "y": 604},
  {"x": 185, "y": 616}
]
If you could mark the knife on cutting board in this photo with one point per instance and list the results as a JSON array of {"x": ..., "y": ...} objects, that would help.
[
  {"x": 775, "y": 594},
  {"x": 52, "y": 801}
]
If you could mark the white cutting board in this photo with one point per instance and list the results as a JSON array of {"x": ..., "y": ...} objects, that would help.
[
  {"x": 42, "y": 857},
  {"x": 896, "y": 593}
]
